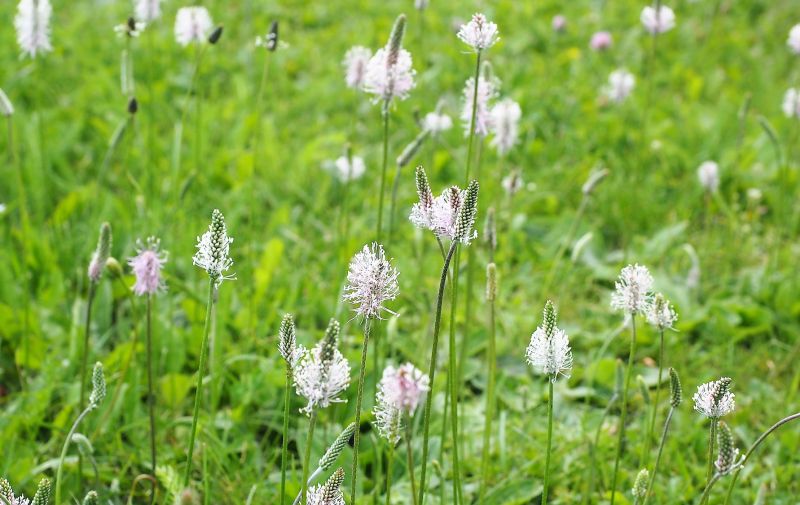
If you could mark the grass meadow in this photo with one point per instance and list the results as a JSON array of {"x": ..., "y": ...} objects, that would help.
[{"x": 257, "y": 133}]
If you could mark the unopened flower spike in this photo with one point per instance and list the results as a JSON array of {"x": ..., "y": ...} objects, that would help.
[
  {"x": 465, "y": 221},
  {"x": 98, "y": 386},
  {"x": 101, "y": 253},
  {"x": 91, "y": 498},
  {"x": 336, "y": 448},
  {"x": 213, "y": 250},
  {"x": 728, "y": 458},
  {"x": 287, "y": 341},
  {"x": 43, "y": 492},
  {"x": 675, "y": 389},
  {"x": 329, "y": 493}
]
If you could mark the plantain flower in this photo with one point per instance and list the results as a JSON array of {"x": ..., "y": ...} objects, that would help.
[
  {"x": 657, "y": 21},
  {"x": 147, "y": 265},
  {"x": 505, "y": 125},
  {"x": 147, "y": 10},
  {"x": 32, "y": 23},
  {"x": 620, "y": 85},
  {"x": 714, "y": 399},
  {"x": 483, "y": 115},
  {"x": 479, "y": 33},
  {"x": 708, "y": 174},
  {"x": 371, "y": 282},
  {"x": 661, "y": 314},
  {"x": 322, "y": 373},
  {"x": 355, "y": 64},
  {"x": 633, "y": 290},
  {"x": 549, "y": 352},
  {"x": 192, "y": 24},
  {"x": 213, "y": 250}
]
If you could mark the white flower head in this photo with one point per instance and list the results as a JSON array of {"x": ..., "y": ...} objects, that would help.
[
  {"x": 147, "y": 10},
  {"x": 620, "y": 85},
  {"x": 793, "y": 41},
  {"x": 329, "y": 493},
  {"x": 479, "y": 33},
  {"x": 549, "y": 352},
  {"x": 388, "y": 79},
  {"x": 131, "y": 28},
  {"x": 355, "y": 64},
  {"x": 791, "y": 103},
  {"x": 661, "y": 314},
  {"x": 399, "y": 392},
  {"x": 192, "y": 24},
  {"x": 213, "y": 250},
  {"x": 505, "y": 124},
  {"x": 450, "y": 215},
  {"x": 633, "y": 290},
  {"x": 708, "y": 174},
  {"x": 322, "y": 373},
  {"x": 347, "y": 169},
  {"x": 32, "y": 23},
  {"x": 486, "y": 91},
  {"x": 714, "y": 399},
  {"x": 371, "y": 282},
  {"x": 436, "y": 122},
  {"x": 658, "y": 21}
]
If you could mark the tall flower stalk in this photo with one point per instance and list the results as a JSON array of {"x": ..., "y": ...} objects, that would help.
[
  {"x": 147, "y": 265},
  {"x": 389, "y": 75},
  {"x": 633, "y": 296},
  {"x": 213, "y": 256},
  {"x": 713, "y": 400},
  {"x": 549, "y": 354},
  {"x": 371, "y": 282},
  {"x": 661, "y": 316},
  {"x": 676, "y": 396},
  {"x": 95, "y": 399},
  {"x": 287, "y": 345},
  {"x": 451, "y": 215},
  {"x": 728, "y": 459},
  {"x": 329, "y": 458},
  {"x": 491, "y": 367}
]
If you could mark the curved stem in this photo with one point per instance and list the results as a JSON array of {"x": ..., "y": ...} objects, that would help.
[
  {"x": 357, "y": 435},
  {"x": 385, "y": 113},
  {"x": 72, "y": 430},
  {"x": 199, "y": 391},
  {"x": 285, "y": 440},
  {"x": 150, "y": 396},
  {"x": 652, "y": 427},
  {"x": 624, "y": 412},
  {"x": 658, "y": 456},
  {"x": 307, "y": 456},
  {"x": 707, "y": 490},
  {"x": 432, "y": 370},
  {"x": 549, "y": 443},
  {"x": 452, "y": 371},
  {"x": 753, "y": 448}
]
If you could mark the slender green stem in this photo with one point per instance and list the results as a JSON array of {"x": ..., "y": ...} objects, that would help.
[
  {"x": 72, "y": 430},
  {"x": 389, "y": 475},
  {"x": 491, "y": 358},
  {"x": 385, "y": 114},
  {"x": 198, "y": 395},
  {"x": 359, "y": 397},
  {"x": 307, "y": 456},
  {"x": 549, "y": 443},
  {"x": 84, "y": 359},
  {"x": 432, "y": 370},
  {"x": 658, "y": 456},
  {"x": 712, "y": 436},
  {"x": 471, "y": 139},
  {"x": 285, "y": 439},
  {"x": 452, "y": 371},
  {"x": 707, "y": 490},
  {"x": 648, "y": 441},
  {"x": 150, "y": 395},
  {"x": 410, "y": 458},
  {"x": 624, "y": 411},
  {"x": 753, "y": 448}
]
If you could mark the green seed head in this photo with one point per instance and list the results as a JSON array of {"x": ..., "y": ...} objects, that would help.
[
  {"x": 98, "y": 386},
  {"x": 101, "y": 253},
  {"x": 42, "y": 496},
  {"x": 640, "y": 485},
  {"x": 424, "y": 189},
  {"x": 5, "y": 490},
  {"x": 550, "y": 319},
  {"x": 728, "y": 453},
  {"x": 465, "y": 221},
  {"x": 336, "y": 448},
  {"x": 331, "y": 488},
  {"x": 676, "y": 392},
  {"x": 287, "y": 339}
]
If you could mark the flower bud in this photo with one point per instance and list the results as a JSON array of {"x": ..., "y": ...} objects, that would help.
[{"x": 215, "y": 35}]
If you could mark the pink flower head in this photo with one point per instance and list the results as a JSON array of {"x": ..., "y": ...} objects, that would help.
[
  {"x": 559, "y": 23},
  {"x": 147, "y": 265},
  {"x": 404, "y": 387},
  {"x": 601, "y": 41},
  {"x": 486, "y": 91},
  {"x": 355, "y": 65}
]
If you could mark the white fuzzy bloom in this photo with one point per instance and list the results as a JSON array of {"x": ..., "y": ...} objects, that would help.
[
  {"x": 213, "y": 250},
  {"x": 6, "y": 107},
  {"x": 633, "y": 290},
  {"x": 479, "y": 33},
  {"x": 130, "y": 28},
  {"x": 192, "y": 24},
  {"x": 399, "y": 392},
  {"x": 793, "y": 41},
  {"x": 708, "y": 174},
  {"x": 318, "y": 380},
  {"x": 32, "y": 23},
  {"x": 355, "y": 64},
  {"x": 371, "y": 281},
  {"x": 483, "y": 117},
  {"x": 324, "y": 495},
  {"x": 347, "y": 169},
  {"x": 386, "y": 79},
  {"x": 714, "y": 399},
  {"x": 791, "y": 103},
  {"x": 620, "y": 85},
  {"x": 147, "y": 10},
  {"x": 505, "y": 124},
  {"x": 661, "y": 314},
  {"x": 660, "y": 21},
  {"x": 435, "y": 122},
  {"x": 548, "y": 351}
]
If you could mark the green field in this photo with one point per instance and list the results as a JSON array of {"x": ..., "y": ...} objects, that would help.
[{"x": 254, "y": 133}]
